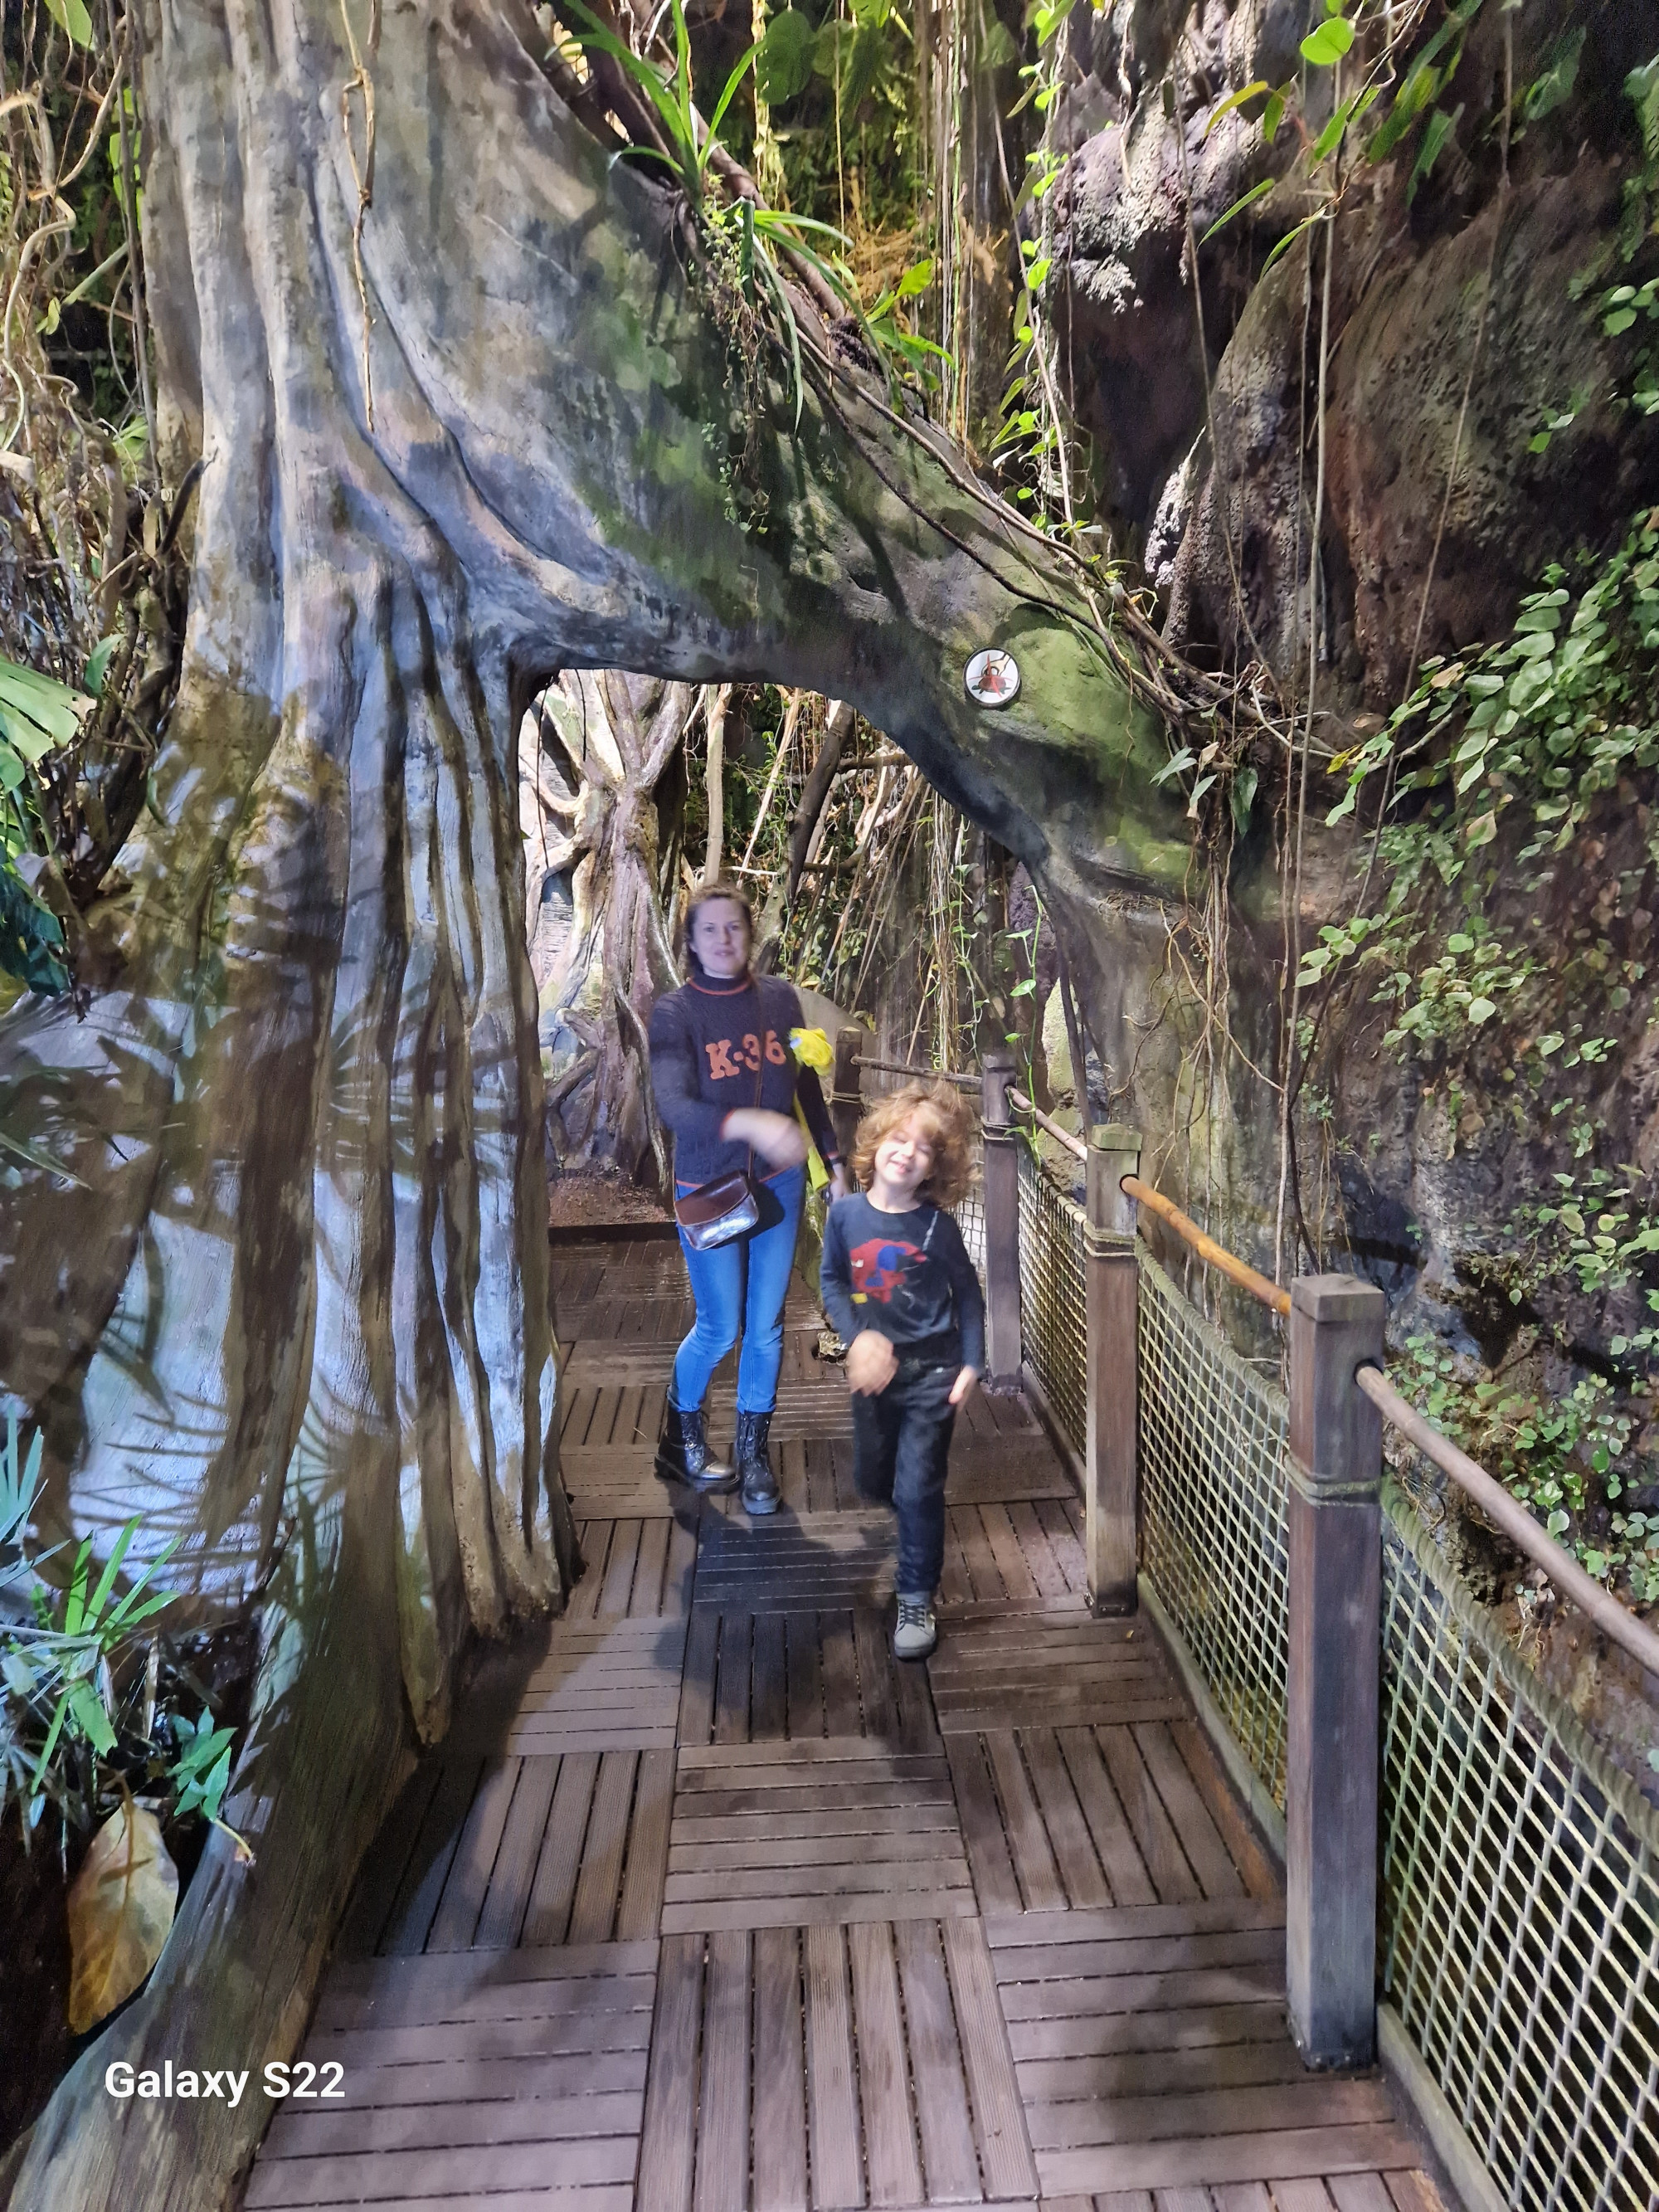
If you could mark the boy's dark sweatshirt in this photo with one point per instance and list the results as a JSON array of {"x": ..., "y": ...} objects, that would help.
[
  {"x": 709, "y": 1043},
  {"x": 907, "y": 1275}
]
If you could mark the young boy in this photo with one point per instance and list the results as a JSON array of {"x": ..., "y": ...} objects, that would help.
[{"x": 902, "y": 1291}]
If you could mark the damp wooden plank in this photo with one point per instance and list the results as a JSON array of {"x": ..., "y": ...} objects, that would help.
[
  {"x": 696, "y": 1712},
  {"x": 547, "y": 1917},
  {"x": 831, "y": 2100},
  {"x": 463, "y": 1897},
  {"x": 731, "y": 1678},
  {"x": 1269, "y": 2155},
  {"x": 1201, "y": 1840},
  {"x": 981, "y": 1826},
  {"x": 779, "y": 2097},
  {"x": 890, "y": 2156},
  {"x": 668, "y": 2140},
  {"x": 422, "y": 1885},
  {"x": 594, "y": 1908},
  {"x": 383, "y": 1869},
  {"x": 1028, "y": 1839},
  {"x": 647, "y": 1848},
  {"x": 508, "y": 1894},
  {"x": 722, "y": 2168},
  {"x": 1114, "y": 1842},
  {"x": 1062, "y": 1819},
  {"x": 998, "y": 2123},
  {"x": 946, "y": 2128},
  {"x": 1155, "y": 1838},
  {"x": 768, "y": 1714},
  {"x": 1254, "y": 1862},
  {"x": 805, "y": 1678}
]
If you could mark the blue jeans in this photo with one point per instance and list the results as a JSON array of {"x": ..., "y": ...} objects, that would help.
[
  {"x": 902, "y": 1440},
  {"x": 741, "y": 1286}
]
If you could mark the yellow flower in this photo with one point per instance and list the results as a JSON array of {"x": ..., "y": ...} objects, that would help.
[{"x": 812, "y": 1048}]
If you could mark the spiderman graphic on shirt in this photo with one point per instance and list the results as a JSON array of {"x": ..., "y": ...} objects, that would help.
[{"x": 878, "y": 1268}]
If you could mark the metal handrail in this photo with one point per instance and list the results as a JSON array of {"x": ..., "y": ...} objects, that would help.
[{"x": 1614, "y": 1619}]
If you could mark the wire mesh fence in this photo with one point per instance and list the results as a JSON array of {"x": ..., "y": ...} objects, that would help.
[
  {"x": 1518, "y": 1931},
  {"x": 1052, "y": 1316},
  {"x": 1520, "y": 1901},
  {"x": 1213, "y": 1537},
  {"x": 970, "y": 1220}
]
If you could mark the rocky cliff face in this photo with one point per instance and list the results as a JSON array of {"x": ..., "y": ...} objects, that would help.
[{"x": 1474, "y": 425}]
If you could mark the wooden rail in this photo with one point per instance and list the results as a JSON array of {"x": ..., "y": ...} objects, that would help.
[{"x": 1225, "y": 1262}]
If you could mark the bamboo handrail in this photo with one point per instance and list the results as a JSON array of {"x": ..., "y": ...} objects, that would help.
[
  {"x": 1022, "y": 1104},
  {"x": 922, "y": 1074},
  {"x": 1205, "y": 1245},
  {"x": 1507, "y": 1513}
]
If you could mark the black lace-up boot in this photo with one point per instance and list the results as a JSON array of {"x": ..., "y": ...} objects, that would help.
[
  {"x": 760, "y": 1485},
  {"x": 682, "y": 1453}
]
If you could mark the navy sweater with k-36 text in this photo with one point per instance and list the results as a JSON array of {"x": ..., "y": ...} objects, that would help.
[
  {"x": 907, "y": 1275},
  {"x": 718, "y": 1046}
]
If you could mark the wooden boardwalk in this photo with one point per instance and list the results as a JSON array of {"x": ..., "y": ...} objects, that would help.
[{"x": 709, "y": 1905}]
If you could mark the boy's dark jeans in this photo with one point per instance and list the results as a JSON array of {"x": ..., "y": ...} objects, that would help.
[{"x": 903, "y": 1439}]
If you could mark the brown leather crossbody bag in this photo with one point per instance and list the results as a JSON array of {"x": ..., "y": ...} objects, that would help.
[{"x": 716, "y": 1213}]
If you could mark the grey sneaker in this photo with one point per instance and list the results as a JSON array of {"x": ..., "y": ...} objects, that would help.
[{"x": 916, "y": 1634}]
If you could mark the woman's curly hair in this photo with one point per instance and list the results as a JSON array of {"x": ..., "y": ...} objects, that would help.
[{"x": 949, "y": 1120}]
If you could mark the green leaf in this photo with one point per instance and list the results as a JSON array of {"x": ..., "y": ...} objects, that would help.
[
  {"x": 1438, "y": 131},
  {"x": 98, "y": 662},
  {"x": 783, "y": 66},
  {"x": 1326, "y": 45},
  {"x": 1554, "y": 86},
  {"x": 1236, "y": 100},
  {"x": 1241, "y": 797},
  {"x": 998, "y": 49},
  {"x": 736, "y": 78},
  {"x": 1481, "y": 1010},
  {"x": 87, "y": 1710},
  {"x": 1273, "y": 115},
  {"x": 1237, "y": 207},
  {"x": 72, "y": 16}
]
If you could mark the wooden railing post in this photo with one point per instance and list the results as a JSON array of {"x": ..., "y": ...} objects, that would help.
[
  {"x": 1112, "y": 1276},
  {"x": 846, "y": 1100},
  {"x": 1002, "y": 1340},
  {"x": 1335, "y": 1600}
]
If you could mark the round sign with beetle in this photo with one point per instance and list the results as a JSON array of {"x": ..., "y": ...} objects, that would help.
[{"x": 992, "y": 677}]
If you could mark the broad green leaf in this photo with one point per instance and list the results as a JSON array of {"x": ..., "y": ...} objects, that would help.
[
  {"x": 121, "y": 1910},
  {"x": 916, "y": 278},
  {"x": 98, "y": 662},
  {"x": 783, "y": 67},
  {"x": 1328, "y": 42},
  {"x": 1241, "y": 797},
  {"x": 1554, "y": 86},
  {"x": 997, "y": 48},
  {"x": 71, "y": 17}
]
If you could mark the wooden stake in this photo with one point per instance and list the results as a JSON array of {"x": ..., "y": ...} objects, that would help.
[
  {"x": 1112, "y": 1285},
  {"x": 1336, "y": 1602}
]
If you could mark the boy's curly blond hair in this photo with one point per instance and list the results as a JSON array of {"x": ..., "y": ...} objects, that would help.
[{"x": 948, "y": 1119}]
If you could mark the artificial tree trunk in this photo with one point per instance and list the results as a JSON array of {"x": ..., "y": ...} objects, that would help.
[
  {"x": 297, "y": 1301},
  {"x": 603, "y": 742}
]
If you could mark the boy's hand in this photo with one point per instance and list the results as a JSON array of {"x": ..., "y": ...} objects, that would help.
[
  {"x": 871, "y": 1362},
  {"x": 963, "y": 1383}
]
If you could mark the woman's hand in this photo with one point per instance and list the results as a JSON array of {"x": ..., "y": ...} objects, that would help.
[
  {"x": 839, "y": 1184},
  {"x": 963, "y": 1383},
  {"x": 871, "y": 1362},
  {"x": 778, "y": 1138}
]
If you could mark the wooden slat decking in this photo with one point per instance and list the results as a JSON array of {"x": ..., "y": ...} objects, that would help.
[{"x": 706, "y": 1903}]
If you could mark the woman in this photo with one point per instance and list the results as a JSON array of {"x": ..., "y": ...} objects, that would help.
[{"x": 726, "y": 1082}]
